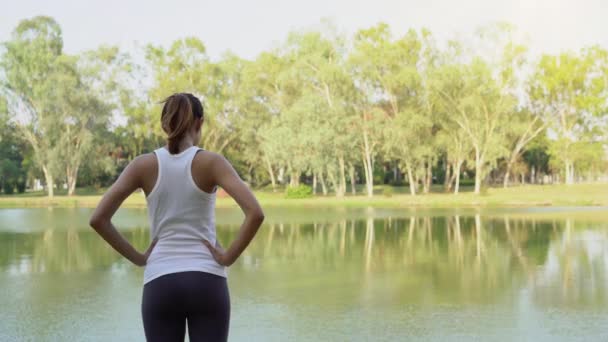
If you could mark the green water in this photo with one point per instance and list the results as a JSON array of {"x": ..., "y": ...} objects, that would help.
[{"x": 327, "y": 275}]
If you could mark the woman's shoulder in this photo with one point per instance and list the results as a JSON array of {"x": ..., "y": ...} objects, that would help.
[
  {"x": 210, "y": 162},
  {"x": 144, "y": 161},
  {"x": 204, "y": 158}
]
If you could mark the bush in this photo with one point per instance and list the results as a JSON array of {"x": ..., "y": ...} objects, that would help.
[
  {"x": 300, "y": 191},
  {"x": 387, "y": 191},
  {"x": 20, "y": 187},
  {"x": 8, "y": 187}
]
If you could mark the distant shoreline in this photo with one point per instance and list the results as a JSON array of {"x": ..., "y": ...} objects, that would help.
[{"x": 582, "y": 195}]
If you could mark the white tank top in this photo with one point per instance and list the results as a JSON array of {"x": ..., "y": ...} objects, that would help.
[{"x": 181, "y": 215}]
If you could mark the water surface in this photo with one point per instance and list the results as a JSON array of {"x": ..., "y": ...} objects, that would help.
[{"x": 329, "y": 275}]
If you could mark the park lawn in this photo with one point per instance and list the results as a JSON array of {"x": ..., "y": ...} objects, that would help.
[{"x": 516, "y": 196}]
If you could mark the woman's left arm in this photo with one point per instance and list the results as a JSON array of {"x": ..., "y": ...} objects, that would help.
[{"x": 101, "y": 220}]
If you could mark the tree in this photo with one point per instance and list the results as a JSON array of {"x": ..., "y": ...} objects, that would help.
[
  {"x": 386, "y": 71},
  {"x": 12, "y": 149},
  {"x": 481, "y": 111},
  {"x": 280, "y": 92},
  {"x": 31, "y": 63},
  {"x": 320, "y": 67},
  {"x": 260, "y": 94},
  {"x": 482, "y": 91},
  {"x": 4, "y": 122},
  {"x": 457, "y": 147},
  {"x": 525, "y": 126},
  {"x": 571, "y": 91}
]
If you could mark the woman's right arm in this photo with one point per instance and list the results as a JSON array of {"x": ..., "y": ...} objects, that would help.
[{"x": 226, "y": 177}]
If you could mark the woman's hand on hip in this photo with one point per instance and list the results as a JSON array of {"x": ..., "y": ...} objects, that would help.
[
  {"x": 142, "y": 260},
  {"x": 218, "y": 253}
]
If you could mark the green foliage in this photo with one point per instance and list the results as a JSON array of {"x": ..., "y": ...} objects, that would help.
[
  {"x": 317, "y": 106},
  {"x": 62, "y": 96},
  {"x": 571, "y": 90},
  {"x": 300, "y": 191},
  {"x": 21, "y": 186}
]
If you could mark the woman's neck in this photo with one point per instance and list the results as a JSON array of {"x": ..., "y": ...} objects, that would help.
[{"x": 185, "y": 144}]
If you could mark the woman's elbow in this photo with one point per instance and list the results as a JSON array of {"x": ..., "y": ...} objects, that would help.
[
  {"x": 258, "y": 216},
  {"x": 96, "y": 221}
]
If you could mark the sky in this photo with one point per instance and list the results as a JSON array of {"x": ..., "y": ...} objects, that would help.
[{"x": 248, "y": 27}]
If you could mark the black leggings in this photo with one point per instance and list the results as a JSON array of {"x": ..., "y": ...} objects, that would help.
[{"x": 200, "y": 298}]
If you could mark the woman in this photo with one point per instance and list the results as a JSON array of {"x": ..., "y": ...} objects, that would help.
[{"x": 185, "y": 267}]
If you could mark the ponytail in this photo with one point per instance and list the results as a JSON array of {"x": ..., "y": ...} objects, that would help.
[{"x": 178, "y": 116}]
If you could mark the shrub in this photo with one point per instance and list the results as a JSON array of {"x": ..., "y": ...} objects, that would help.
[
  {"x": 9, "y": 187},
  {"x": 300, "y": 191},
  {"x": 21, "y": 185}
]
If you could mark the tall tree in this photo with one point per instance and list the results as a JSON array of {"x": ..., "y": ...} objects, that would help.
[
  {"x": 480, "y": 111},
  {"x": 386, "y": 70},
  {"x": 262, "y": 92},
  {"x": 320, "y": 64},
  {"x": 32, "y": 63},
  {"x": 482, "y": 91},
  {"x": 571, "y": 90},
  {"x": 525, "y": 126}
]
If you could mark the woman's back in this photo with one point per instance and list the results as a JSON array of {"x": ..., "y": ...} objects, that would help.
[
  {"x": 181, "y": 216},
  {"x": 185, "y": 275}
]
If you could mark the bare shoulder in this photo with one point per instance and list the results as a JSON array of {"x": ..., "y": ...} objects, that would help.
[
  {"x": 144, "y": 162},
  {"x": 205, "y": 169},
  {"x": 144, "y": 171},
  {"x": 207, "y": 159}
]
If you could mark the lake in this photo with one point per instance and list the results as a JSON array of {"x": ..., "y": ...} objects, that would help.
[{"x": 328, "y": 275}]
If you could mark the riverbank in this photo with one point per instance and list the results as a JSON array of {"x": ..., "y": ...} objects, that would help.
[{"x": 517, "y": 196}]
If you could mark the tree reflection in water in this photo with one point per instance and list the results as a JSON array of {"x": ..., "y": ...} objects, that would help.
[{"x": 410, "y": 259}]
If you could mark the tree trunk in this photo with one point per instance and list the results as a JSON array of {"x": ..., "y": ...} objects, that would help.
[
  {"x": 505, "y": 181},
  {"x": 447, "y": 182},
  {"x": 369, "y": 177},
  {"x": 323, "y": 185},
  {"x": 478, "y": 170},
  {"x": 281, "y": 176},
  {"x": 334, "y": 182},
  {"x": 428, "y": 178},
  {"x": 353, "y": 180},
  {"x": 71, "y": 175},
  {"x": 512, "y": 159},
  {"x": 314, "y": 183},
  {"x": 411, "y": 180},
  {"x": 342, "y": 178},
  {"x": 424, "y": 179},
  {"x": 457, "y": 174},
  {"x": 569, "y": 172},
  {"x": 294, "y": 177},
  {"x": 48, "y": 177},
  {"x": 271, "y": 174},
  {"x": 368, "y": 167}
]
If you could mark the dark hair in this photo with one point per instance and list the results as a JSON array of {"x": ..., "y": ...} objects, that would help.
[{"x": 179, "y": 112}]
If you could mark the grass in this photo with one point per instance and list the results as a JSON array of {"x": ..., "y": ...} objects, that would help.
[{"x": 517, "y": 196}]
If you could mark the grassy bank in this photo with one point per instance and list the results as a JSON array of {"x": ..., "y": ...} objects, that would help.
[{"x": 531, "y": 195}]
